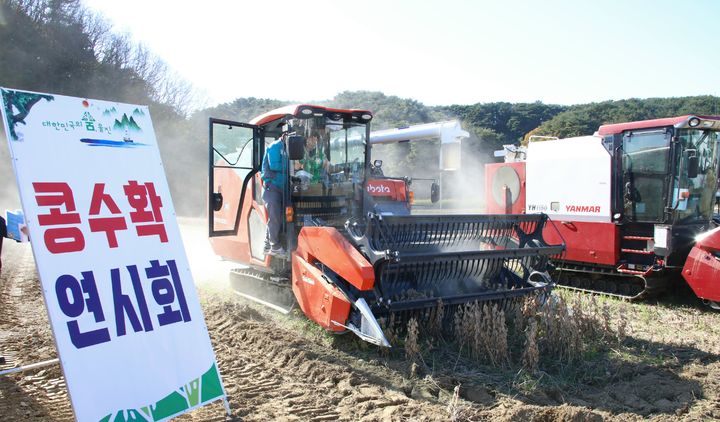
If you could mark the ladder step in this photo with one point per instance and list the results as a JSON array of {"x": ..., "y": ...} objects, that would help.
[
  {"x": 631, "y": 272},
  {"x": 637, "y": 251},
  {"x": 638, "y": 238},
  {"x": 624, "y": 269}
]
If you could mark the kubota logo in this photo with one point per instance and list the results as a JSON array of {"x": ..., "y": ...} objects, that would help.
[
  {"x": 582, "y": 208},
  {"x": 378, "y": 189}
]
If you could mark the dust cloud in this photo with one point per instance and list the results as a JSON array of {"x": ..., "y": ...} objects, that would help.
[
  {"x": 467, "y": 186},
  {"x": 183, "y": 150},
  {"x": 208, "y": 269},
  {"x": 461, "y": 191},
  {"x": 9, "y": 196}
]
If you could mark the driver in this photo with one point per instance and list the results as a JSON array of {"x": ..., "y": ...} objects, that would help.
[
  {"x": 315, "y": 161},
  {"x": 274, "y": 181}
]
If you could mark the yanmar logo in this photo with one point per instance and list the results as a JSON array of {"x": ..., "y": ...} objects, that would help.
[
  {"x": 378, "y": 189},
  {"x": 582, "y": 208}
]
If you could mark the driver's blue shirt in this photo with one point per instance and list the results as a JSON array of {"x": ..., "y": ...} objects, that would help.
[{"x": 273, "y": 165}]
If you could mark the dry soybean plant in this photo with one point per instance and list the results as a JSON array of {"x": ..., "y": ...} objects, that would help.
[
  {"x": 531, "y": 333},
  {"x": 435, "y": 320},
  {"x": 622, "y": 324},
  {"x": 561, "y": 328},
  {"x": 483, "y": 329},
  {"x": 531, "y": 354},
  {"x": 412, "y": 348},
  {"x": 454, "y": 408}
]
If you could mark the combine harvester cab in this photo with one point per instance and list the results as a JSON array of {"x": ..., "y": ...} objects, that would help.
[
  {"x": 347, "y": 265},
  {"x": 629, "y": 201}
]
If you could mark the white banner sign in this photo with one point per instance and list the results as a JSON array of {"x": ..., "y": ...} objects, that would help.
[{"x": 128, "y": 326}]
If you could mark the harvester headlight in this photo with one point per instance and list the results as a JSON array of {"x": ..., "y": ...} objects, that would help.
[
  {"x": 661, "y": 236},
  {"x": 694, "y": 122},
  {"x": 289, "y": 214},
  {"x": 366, "y": 116},
  {"x": 306, "y": 111}
]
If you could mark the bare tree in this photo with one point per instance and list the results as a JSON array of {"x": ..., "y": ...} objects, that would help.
[
  {"x": 121, "y": 67},
  {"x": 97, "y": 30}
]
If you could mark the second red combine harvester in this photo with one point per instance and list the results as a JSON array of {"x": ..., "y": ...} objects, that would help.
[
  {"x": 633, "y": 203},
  {"x": 349, "y": 266}
]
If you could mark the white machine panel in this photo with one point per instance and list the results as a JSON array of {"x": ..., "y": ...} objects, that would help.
[{"x": 569, "y": 179}]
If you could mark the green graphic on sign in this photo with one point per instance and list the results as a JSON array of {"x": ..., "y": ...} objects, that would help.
[
  {"x": 193, "y": 394},
  {"x": 126, "y": 124},
  {"x": 17, "y": 107}
]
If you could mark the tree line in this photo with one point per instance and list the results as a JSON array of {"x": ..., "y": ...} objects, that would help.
[{"x": 585, "y": 119}]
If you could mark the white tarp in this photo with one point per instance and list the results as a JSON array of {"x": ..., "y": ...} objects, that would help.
[{"x": 127, "y": 323}]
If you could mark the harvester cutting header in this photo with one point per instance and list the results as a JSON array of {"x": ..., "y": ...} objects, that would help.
[{"x": 345, "y": 265}]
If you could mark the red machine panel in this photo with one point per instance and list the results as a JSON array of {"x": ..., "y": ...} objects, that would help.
[
  {"x": 597, "y": 243},
  {"x": 245, "y": 246},
  {"x": 319, "y": 300},
  {"x": 327, "y": 245},
  {"x": 392, "y": 189},
  {"x": 702, "y": 268},
  {"x": 504, "y": 180}
]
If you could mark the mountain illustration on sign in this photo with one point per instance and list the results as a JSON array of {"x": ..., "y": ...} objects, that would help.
[
  {"x": 126, "y": 123},
  {"x": 110, "y": 111},
  {"x": 138, "y": 112}
]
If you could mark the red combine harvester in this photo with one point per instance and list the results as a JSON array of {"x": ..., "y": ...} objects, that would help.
[
  {"x": 391, "y": 195},
  {"x": 349, "y": 265},
  {"x": 633, "y": 203}
]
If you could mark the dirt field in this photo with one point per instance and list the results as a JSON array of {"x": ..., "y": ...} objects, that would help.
[{"x": 284, "y": 368}]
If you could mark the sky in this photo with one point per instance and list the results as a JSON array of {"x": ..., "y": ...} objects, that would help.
[{"x": 437, "y": 52}]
